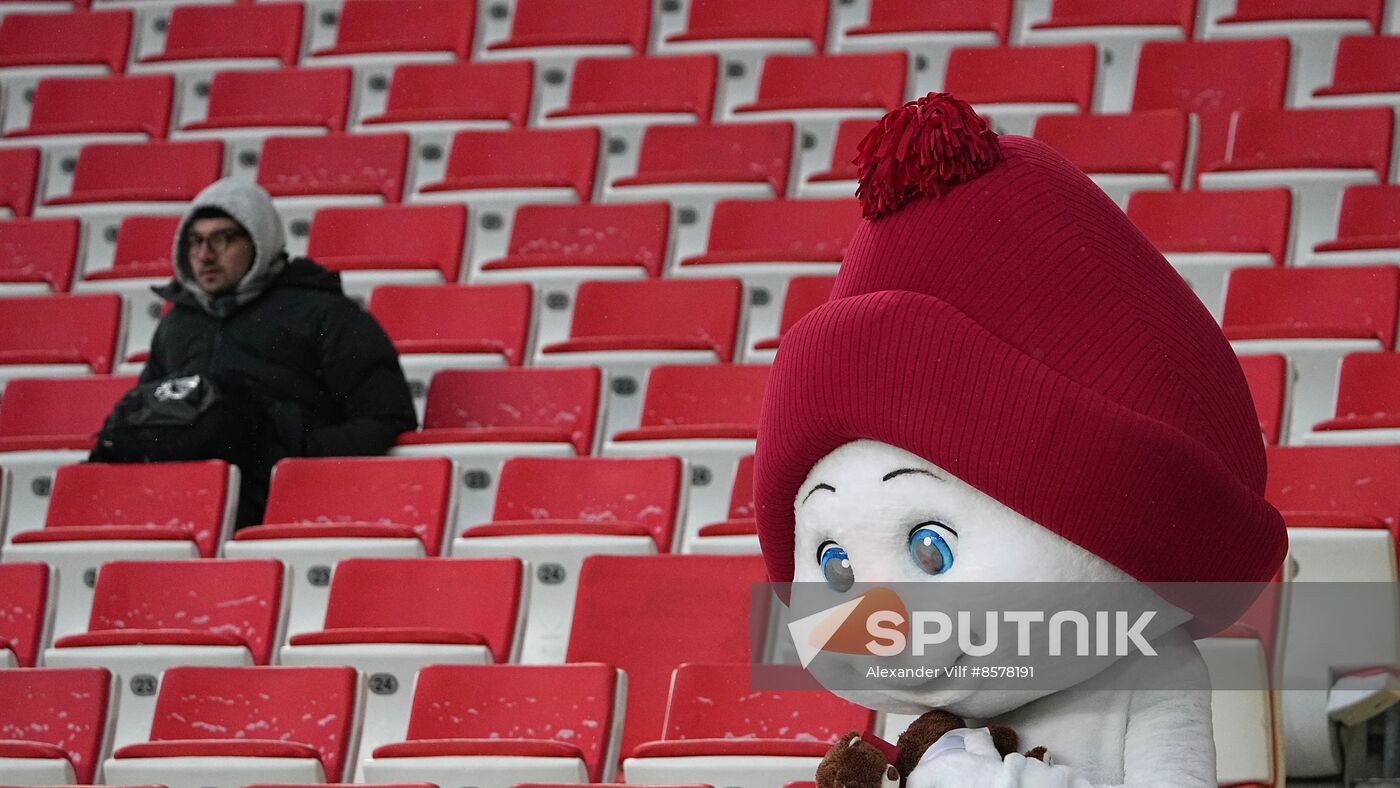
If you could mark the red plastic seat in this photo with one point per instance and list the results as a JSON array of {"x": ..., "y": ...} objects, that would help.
[
  {"x": 24, "y": 596},
  {"x": 779, "y": 231},
  {"x": 740, "y": 517},
  {"x": 619, "y": 594},
  {"x": 700, "y": 401},
  {"x": 541, "y": 496},
  {"x": 1336, "y": 486},
  {"x": 695, "y": 314},
  {"x": 1345, "y": 302},
  {"x": 290, "y": 712},
  {"x": 873, "y": 81},
  {"x": 60, "y": 329},
  {"x": 1212, "y": 79},
  {"x": 55, "y": 715},
  {"x": 511, "y": 405},
  {"x": 19, "y": 174},
  {"x": 1280, "y": 139},
  {"x": 1265, "y": 376},
  {"x": 143, "y": 172},
  {"x": 1138, "y": 143},
  {"x": 540, "y": 711},
  {"x": 232, "y": 32},
  {"x": 565, "y": 236},
  {"x": 1368, "y": 396},
  {"x": 1294, "y": 10},
  {"x": 917, "y": 16},
  {"x": 458, "y": 92},
  {"x": 368, "y": 27},
  {"x": 804, "y": 293},
  {"x": 641, "y": 85},
  {"x": 1236, "y": 222},
  {"x": 1180, "y": 14},
  {"x": 521, "y": 159},
  {"x": 1364, "y": 65},
  {"x": 575, "y": 23},
  {"x": 1367, "y": 220},
  {"x": 472, "y": 601},
  {"x": 100, "y": 105},
  {"x": 336, "y": 164},
  {"x": 705, "y": 154},
  {"x": 287, "y": 97},
  {"x": 455, "y": 318},
  {"x": 848, "y": 136},
  {"x": 38, "y": 251},
  {"x": 81, "y": 38},
  {"x": 390, "y": 238},
  {"x": 1017, "y": 75},
  {"x": 58, "y": 413},
  {"x": 719, "y": 20},
  {"x": 144, "y": 249}
]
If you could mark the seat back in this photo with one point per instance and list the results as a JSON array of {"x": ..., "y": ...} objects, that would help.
[
  {"x": 523, "y": 158},
  {"x": 872, "y": 80},
  {"x": 1015, "y": 75},
  {"x": 1228, "y": 221},
  {"x": 1367, "y": 219},
  {"x": 804, "y": 293},
  {"x": 540, "y": 23},
  {"x": 261, "y": 30},
  {"x": 144, "y": 246},
  {"x": 1132, "y": 143},
  {"x": 736, "y": 19},
  {"x": 1367, "y": 391},
  {"x": 24, "y": 597},
  {"x": 241, "y": 599},
  {"x": 60, "y": 329},
  {"x": 702, "y": 311},
  {"x": 704, "y": 153},
  {"x": 19, "y": 173},
  {"x": 42, "y": 407},
  {"x": 390, "y": 236},
  {"x": 96, "y": 105},
  {"x": 1314, "y": 303},
  {"x": 916, "y": 16},
  {"x": 1095, "y": 13},
  {"x": 410, "y": 491},
  {"x": 78, "y": 38},
  {"x": 279, "y": 97},
  {"x": 39, "y": 250},
  {"x": 741, "y": 496},
  {"x": 337, "y": 164},
  {"x": 460, "y": 91},
  {"x": 1298, "y": 10},
  {"x": 372, "y": 26},
  {"x": 1365, "y": 64},
  {"x": 65, "y": 708},
  {"x": 146, "y": 171},
  {"x": 1265, "y": 376},
  {"x": 1280, "y": 139},
  {"x": 718, "y": 701},
  {"x": 460, "y": 595},
  {"x": 1336, "y": 486},
  {"x": 192, "y": 496},
  {"x": 313, "y": 706},
  {"x": 610, "y": 85},
  {"x": 705, "y": 395},
  {"x": 781, "y": 231},
  {"x": 565, "y": 398},
  {"x": 494, "y": 317},
  {"x": 597, "y": 234},
  {"x": 645, "y": 491}
]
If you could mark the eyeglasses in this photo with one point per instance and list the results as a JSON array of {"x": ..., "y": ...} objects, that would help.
[{"x": 218, "y": 241}]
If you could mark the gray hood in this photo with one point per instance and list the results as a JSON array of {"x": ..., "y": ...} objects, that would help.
[{"x": 250, "y": 206}]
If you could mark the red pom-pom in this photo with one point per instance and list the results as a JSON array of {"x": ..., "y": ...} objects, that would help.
[{"x": 923, "y": 148}]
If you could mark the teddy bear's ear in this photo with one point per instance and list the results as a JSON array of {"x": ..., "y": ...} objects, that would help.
[
  {"x": 1004, "y": 738},
  {"x": 891, "y": 777}
]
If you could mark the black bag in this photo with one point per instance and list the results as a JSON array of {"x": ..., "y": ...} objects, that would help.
[{"x": 183, "y": 417}]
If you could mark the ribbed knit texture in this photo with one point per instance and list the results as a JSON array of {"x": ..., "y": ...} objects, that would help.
[{"x": 1022, "y": 334}]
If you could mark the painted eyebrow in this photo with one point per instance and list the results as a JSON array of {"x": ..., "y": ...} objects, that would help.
[
  {"x": 905, "y": 471},
  {"x": 822, "y": 486}
]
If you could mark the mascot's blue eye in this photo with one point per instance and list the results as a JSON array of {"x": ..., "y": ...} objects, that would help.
[
  {"x": 929, "y": 549},
  {"x": 836, "y": 567}
]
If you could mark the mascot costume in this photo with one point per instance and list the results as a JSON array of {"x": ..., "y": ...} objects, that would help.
[{"x": 1010, "y": 385}]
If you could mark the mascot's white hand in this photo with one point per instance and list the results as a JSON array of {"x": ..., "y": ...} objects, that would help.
[{"x": 966, "y": 758}]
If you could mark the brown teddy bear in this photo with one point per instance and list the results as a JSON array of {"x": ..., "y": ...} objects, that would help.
[{"x": 855, "y": 762}]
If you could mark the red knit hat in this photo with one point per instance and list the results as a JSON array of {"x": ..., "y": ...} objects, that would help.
[{"x": 999, "y": 316}]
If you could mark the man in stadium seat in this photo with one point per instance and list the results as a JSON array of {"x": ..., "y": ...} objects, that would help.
[{"x": 321, "y": 371}]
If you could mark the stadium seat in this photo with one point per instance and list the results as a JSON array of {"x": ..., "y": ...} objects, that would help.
[
  {"x": 1013, "y": 86},
  {"x": 241, "y": 725},
  {"x": 481, "y": 417},
  {"x": 619, "y": 596},
  {"x": 149, "y": 616},
  {"x": 1314, "y": 152},
  {"x": 1365, "y": 72},
  {"x": 37, "y": 255},
  {"x": 1267, "y": 377},
  {"x": 435, "y": 328},
  {"x": 68, "y": 112},
  {"x": 389, "y": 244},
  {"x": 1207, "y": 234},
  {"x": 214, "y": 37},
  {"x": 816, "y": 92},
  {"x": 1314, "y": 317},
  {"x": 804, "y": 293},
  {"x": 46, "y": 423},
  {"x": 135, "y": 512},
  {"x": 323, "y": 509},
  {"x": 1118, "y": 31},
  {"x": 55, "y": 723},
  {"x": 388, "y": 618},
  {"x": 514, "y": 166},
  {"x": 768, "y": 243},
  {"x": 1313, "y": 27},
  {"x": 926, "y": 32},
  {"x": 1211, "y": 79},
  {"x": 433, "y": 100},
  {"x": 628, "y": 327},
  {"x": 553, "y": 512},
  {"x": 1341, "y": 508},
  {"x": 1367, "y": 411},
  {"x": 545, "y": 722},
  {"x": 722, "y": 730},
  {"x": 309, "y": 100},
  {"x": 1122, "y": 154},
  {"x": 374, "y": 36},
  {"x": 738, "y": 532},
  {"x": 1366, "y": 229},
  {"x": 58, "y": 335},
  {"x": 75, "y": 44},
  {"x": 705, "y": 414},
  {"x": 838, "y": 178},
  {"x": 141, "y": 258},
  {"x": 19, "y": 177},
  {"x": 26, "y": 596},
  {"x": 630, "y": 93},
  {"x": 558, "y": 246},
  {"x": 305, "y": 174}
]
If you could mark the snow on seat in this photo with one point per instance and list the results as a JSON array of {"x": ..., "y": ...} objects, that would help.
[{"x": 53, "y": 724}]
